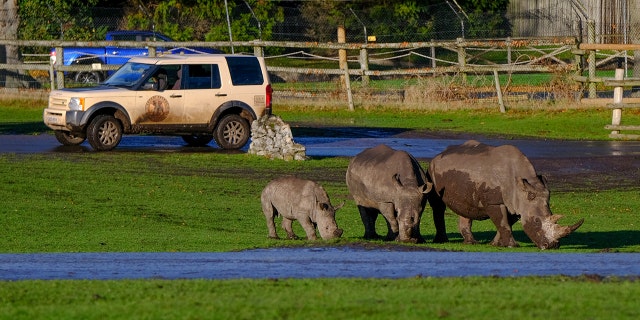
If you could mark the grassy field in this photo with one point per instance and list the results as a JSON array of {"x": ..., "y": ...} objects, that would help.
[
  {"x": 563, "y": 121},
  {"x": 117, "y": 201}
]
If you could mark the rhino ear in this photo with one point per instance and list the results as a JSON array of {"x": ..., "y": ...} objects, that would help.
[
  {"x": 425, "y": 188},
  {"x": 525, "y": 186},
  {"x": 396, "y": 179},
  {"x": 543, "y": 179}
]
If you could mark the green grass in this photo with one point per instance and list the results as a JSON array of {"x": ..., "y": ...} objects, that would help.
[
  {"x": 418, "y": 298},
  {"x": 94, "y": 202},
  {"x": 125, "y": 201},
  {"x": 571, "y": 124}
]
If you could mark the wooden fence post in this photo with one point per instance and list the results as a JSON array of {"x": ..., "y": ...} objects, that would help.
[
  {"x": 344, "y": 66},
  {"x": 342, "y": 53},
  {"x": 59, "y": 63},
  {"x": 509, "y": 46},
  {"x": 591, "y": 38},
  {"x": 499, "y": 91},
  {"x": 364, "y": 66},
  {"x": 616, "y": 116},
  {"x": 258, "y": 52},
  {"x": 433, "y": 56},
  {"x": 462, "y": 59}
]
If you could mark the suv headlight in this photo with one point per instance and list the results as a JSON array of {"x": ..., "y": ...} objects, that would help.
[{"x": 76, "y": 104}]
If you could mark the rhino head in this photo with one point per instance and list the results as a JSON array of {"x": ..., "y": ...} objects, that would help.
[
  {"x": 545, "y": 232},
  {"x": 540, "y": 225},
  {"x": 324, "y": 217},
  {"x": 409, "y": 203}
]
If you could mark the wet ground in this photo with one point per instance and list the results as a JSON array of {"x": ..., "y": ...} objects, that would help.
[
  {"x": 568, "y": 165},
  {"x": 324, "y": 262}
]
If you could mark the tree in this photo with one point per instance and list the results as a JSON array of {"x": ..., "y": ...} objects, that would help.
[
  {"x": 59, "y": 19},
  {"x": 10, "y": 54},
  {"x": 405, "y": 20},
  {"x": 206, "y": 20},
  {"x": 487, "y": 18}
]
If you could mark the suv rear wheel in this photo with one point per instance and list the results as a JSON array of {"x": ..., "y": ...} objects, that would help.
[
  {"x": 104, "y": 132},
  {"x": 197, "y": 140},
  {"x": 232, "y": 132}
]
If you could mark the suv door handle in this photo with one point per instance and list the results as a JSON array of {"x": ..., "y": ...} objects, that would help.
[
  {"x": 176, "y": 96},
  {"x": 221, "y": 94}
]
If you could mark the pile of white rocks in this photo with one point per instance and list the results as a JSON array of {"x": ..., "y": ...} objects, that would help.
[{"x": 271, "y": 137}]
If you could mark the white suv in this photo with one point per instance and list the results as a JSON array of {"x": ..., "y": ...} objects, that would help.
[{"x": 199, "y": 97}]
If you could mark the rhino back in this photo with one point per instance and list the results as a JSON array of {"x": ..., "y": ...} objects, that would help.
[
  {"x": 291, "y": 195},
  {"x": 474, "y": 175},
  {"x": 370, "y": 173}
]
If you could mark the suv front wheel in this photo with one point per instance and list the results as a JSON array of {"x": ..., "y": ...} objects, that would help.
[
  {"x": 232, "y": 132},
  {"x": 68, "y": 139},
  {"x": 104, "y": 132}
]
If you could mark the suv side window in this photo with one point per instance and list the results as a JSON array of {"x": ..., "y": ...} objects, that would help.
[
  {"x": 245, "y": 71},
  {"x": 202, "y": 76}
]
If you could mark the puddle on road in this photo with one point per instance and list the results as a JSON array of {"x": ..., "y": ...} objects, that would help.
[{"x": 312, "y": 262}]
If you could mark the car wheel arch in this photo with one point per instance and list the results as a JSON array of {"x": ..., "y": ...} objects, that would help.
[
  {"x": 232, "y": 107},
  {"x": 111, "y": 108}
]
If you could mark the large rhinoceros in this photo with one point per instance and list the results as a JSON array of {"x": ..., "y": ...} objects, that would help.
[
  {"x": 478, "y": 181},
  {"x": 390, "y": 182},
  {"x": 303, "y": 200}
]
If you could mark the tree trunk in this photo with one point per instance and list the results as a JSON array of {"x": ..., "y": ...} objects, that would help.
[{"x": 9, "y": 21}]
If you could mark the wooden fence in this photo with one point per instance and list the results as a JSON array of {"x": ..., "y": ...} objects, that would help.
[
  {"x": 445, "y": 57},
  {"x": 540, "y": 55}
]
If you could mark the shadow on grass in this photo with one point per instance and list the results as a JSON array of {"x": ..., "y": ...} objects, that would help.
[
  {"x": 23, "y": 128},
  {"x": 344, "y": 132},
  {"x": 606, "y": 241}
]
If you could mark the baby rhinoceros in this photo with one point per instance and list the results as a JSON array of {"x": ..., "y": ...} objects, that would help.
[{"x": 303, "y": 200}]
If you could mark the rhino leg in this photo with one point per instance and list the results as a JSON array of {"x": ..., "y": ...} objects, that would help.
[
  {"x": 389, "y": 213},
  {"x": 438, "y": 207},
  {"x": 464, "y": 226},
  {"x": 270, "y": 213},
  {"x": 287, "y": 226},
  {"x": 500, "y": 218},
  {"x": 369, "y": 217},
  {"x": 415, "y": 231},
  {"x": 309, "y": 228}
]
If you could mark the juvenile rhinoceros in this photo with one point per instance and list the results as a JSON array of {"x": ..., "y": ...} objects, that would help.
[
  {"x": 478, "y": 181},
  {"x": 302, "y": 200},
  {"x": 390, "y": 182}
]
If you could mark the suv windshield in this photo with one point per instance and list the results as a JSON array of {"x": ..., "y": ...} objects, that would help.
[{"x": 129, "y": 75}]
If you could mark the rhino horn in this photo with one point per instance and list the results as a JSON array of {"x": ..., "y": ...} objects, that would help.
[
  {"x": 338, "y": 206},
  {"x": 565, "y": 231},
  {"x": 554, "y": 218}
]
